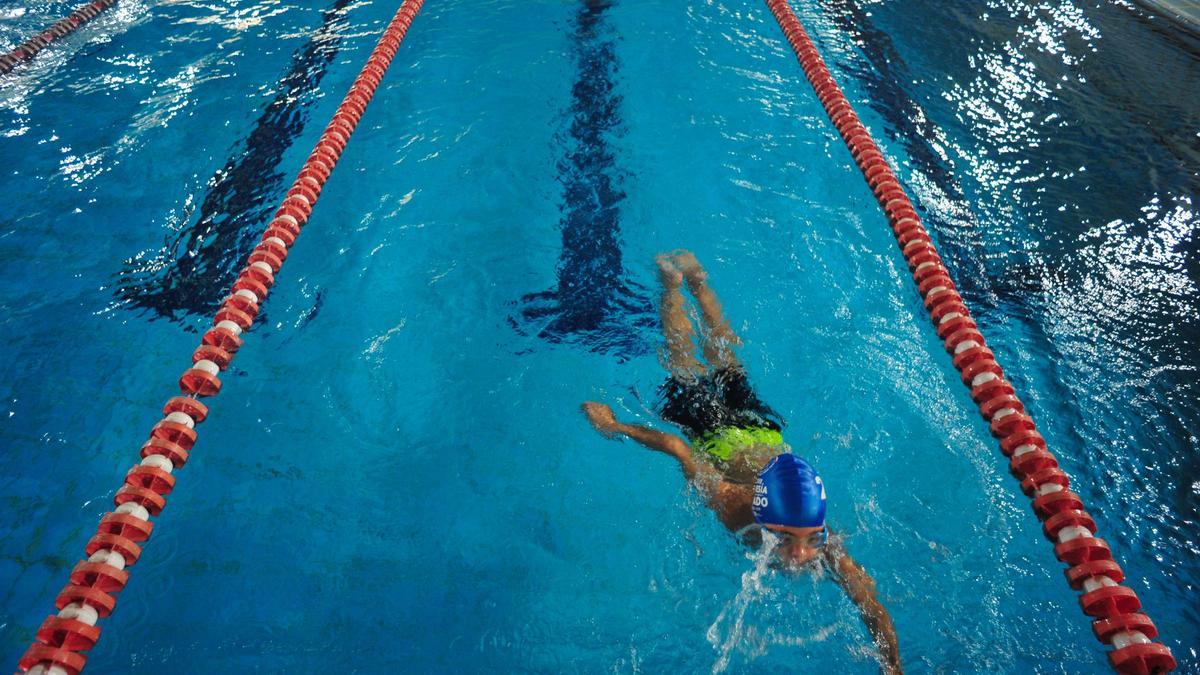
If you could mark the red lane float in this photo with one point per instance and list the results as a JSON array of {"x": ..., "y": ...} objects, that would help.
[
  {"x": 58, "y": 30},
  {"x": 1115, "y": 608},
  {"x": 94, "y": 581}
]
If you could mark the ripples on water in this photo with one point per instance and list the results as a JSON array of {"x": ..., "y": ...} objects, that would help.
[{"x": 1073, "y": 129}]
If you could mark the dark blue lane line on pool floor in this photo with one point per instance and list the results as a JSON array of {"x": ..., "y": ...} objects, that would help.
[
  {"x": 188, "y": 276},
  {"x": 594, "y": 303}
]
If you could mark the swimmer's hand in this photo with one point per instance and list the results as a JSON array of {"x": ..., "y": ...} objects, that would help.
[
  {"x": 861, "y": 588},
  {"x": 601, "y": 417}
]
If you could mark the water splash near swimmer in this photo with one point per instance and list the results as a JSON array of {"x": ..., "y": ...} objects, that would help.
[
  {"x": 733, "y": 615},
  {"x": 752, "y": 589}
]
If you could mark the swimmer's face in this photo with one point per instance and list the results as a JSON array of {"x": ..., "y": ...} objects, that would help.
[{"x": 799, "y": 545}]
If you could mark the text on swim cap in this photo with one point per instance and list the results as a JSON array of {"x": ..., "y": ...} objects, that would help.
[{"x": 760, "y": 495}]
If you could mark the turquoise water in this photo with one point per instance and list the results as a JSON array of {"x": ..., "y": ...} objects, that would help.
[{"x": 396, "y": 475}]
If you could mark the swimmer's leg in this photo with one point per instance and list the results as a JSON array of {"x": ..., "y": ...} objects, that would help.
[
  {"x": 720, "y": 338},
  {"x": 677, "y": 328}
]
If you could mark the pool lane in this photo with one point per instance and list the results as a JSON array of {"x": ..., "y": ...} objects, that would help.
[
  {"x": 152, "y": 114},
  {"x": 1071, "y": 129}
]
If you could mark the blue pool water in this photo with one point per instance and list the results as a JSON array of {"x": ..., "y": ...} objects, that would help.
[{"x": 396, "y": 476}]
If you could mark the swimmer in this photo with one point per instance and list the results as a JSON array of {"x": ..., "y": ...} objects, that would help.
[{"x": 735, "y": 454}]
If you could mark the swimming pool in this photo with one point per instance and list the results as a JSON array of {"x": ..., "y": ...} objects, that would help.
[{"x": 398, "y": 477}]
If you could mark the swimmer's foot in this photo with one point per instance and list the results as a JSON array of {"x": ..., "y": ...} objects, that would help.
[
  {"x": 686, "y": 262},
  {"x": 668, "y": 273},
  {"x": 719, "y": 337}
]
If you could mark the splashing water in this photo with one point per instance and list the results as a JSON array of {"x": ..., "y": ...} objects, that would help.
[
  {"x": 735, "y": 610},
  {"x": 733, "y": 615}
]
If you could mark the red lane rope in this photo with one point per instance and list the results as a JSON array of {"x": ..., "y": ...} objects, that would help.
[
  {"x": 30, "y": 48},
  {"x": 1113, "y": 607},
  {"x": 117, "y": 543}
]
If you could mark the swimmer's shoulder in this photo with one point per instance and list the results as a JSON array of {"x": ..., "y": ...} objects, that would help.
[{"x": 736, "y": 505}]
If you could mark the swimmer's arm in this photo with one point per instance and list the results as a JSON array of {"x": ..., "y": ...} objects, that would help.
[
  {"x": 602, "y": 417},
  {"x": 731, "y": 502},
  {"x": 861, "y": 588}
]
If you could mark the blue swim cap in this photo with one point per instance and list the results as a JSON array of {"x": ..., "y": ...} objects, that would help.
[{"x": 789, "y": 492}]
